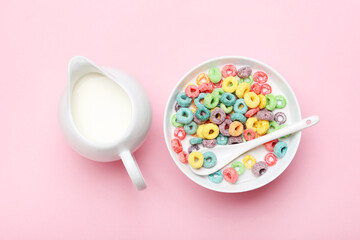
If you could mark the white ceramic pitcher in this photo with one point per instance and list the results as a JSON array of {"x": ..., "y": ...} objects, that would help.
[{"x": 129, "y": 141}]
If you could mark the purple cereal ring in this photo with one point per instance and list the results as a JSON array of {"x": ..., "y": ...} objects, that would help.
[
  {"x": 197, "y": 120},
  {"x": 259, "y": 168},
  {"x": 244, "y": 72},
  {"x": 265, "y": 114},
  {"x": 218, "y": 116},
  {"x": 280, "y": 118},
  {"x": 235, "y": 140},
  {"x": 224, "y": 127},
  {"x": 177, "y": 107},
  {"x": 193, "y": 148},
  {"x": 209, "y": 143}
]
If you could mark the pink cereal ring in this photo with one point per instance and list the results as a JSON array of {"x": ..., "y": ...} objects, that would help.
[
  {"x": 230, "y": 175},
  {"x": 266, "y": 89},
  {"x": 270, "y": 159},
  {"x": 176, "y": 145},
  {"x": 229, "y": 70},
  {"x": 180, "y": 133},
  {"x": 270, "y": 145},
  {"x": 218, "y": 85},
  {"x": 206, "y": 87},
  {"x": 260, "y": 77},
  {"x": 251, "y": 112},
  {"x": 192, "y": 91},
  {"x": 249, "y": 134},
  {"x": 183, "y": 157},
  {"x": 256, "y": 88}
]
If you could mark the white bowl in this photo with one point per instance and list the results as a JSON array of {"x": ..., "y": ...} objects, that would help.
[{"x": 247, "y": 181}]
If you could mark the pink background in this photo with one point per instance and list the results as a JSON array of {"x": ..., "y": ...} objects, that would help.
[{"x": 47, "y": 191}]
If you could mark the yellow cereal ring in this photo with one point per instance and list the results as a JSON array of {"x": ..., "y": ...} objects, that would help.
[
  {"x": 250, "y": 123},
  {"x": 261, "y": 126},
  {"x": 196, "y": 159},
  {"x": 242, "y": 88},
  {"x": 248, "y": 161},
  {"x": 199, "y": 131},
  {"x": 230, "y": 84},
  {"x": 202, "y": 77},
  {"x": 236, "y": 128},
  {"x": 210, "y": 131},
  {"x": 251, "y": 99},
  {"x": 262, "y": 101}
]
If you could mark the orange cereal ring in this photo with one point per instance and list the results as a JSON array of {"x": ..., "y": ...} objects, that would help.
[
  {"x": 201, "y": 78},
  {"x": 236, "y": 128}
]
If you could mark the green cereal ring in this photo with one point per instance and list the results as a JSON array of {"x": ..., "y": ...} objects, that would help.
[
  {"x": 239, "y": 167},
  {"x": 249, "y": 80},
  {"x": 211, "y": 101},
  {"x": 183, "y": 100},
  {"x": 225, "y": 108},
  {"x": 190, "y": 128},
  {"x": 222, "y": 140},
  {"x": 228, "y": 99},
  {"x": 282, "y": 100},
  {"x": 194, "y": 141},
  {"x": 215, "y": 74},
  {"x": 273, "y": 126},
  {"x": 174, "y": 121},
  {"x": 202, "y": 113},
  {"x": 270, "y": 102},
  {"x": 218, "y": 91},
  {"x": 238, "y": 116},
  {"x": 241, "y": 80}
]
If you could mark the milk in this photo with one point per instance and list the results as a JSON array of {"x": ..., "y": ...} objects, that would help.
[{"x": 101, "y": 109}]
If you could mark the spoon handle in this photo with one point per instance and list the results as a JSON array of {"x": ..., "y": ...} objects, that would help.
[{"x": 295, "y": 127}]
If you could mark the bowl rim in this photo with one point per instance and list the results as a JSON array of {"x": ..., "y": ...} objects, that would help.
[{"x": 190, "y": 176}]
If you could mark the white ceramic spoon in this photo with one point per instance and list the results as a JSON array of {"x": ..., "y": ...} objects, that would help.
[{"x": 226, "y": 153}]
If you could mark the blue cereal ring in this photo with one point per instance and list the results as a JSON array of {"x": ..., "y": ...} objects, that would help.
[
  {"x": 184, "y": 115},
  {"x": 194, "y": 141},
  {"x": 228, "y": 99},
  {"x": 238, "y": 103},
  {"x": 202, "y": 113},
  {"x": 183, "y": 100},
  {"x": 209, "y": 159},
  {"x": 222, "y": 140},
  {"x": 199, "y": 98},
  {"x": 280, "y": 149},
  {"x": 216, "y": 177},
  {"x": 238, "y": 116},
  {"x": 190, "y": 128}
]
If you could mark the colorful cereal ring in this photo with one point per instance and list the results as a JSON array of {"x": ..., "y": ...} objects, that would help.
[
  {"x": 230, "y": 84},
  {"x": 262, "y": 101},
  {"x": 280, "y": 118},
  {"x": 218, "y": 85},
  {"x": 206, "y": 87},
  {"x": 235, "y": 140},
  {"x": 251, "y": 112},
  {"x": 259, "y": 168},
  {"x": 280, "y": 149},
  {"x": 228, "y": 70},
  {"x": 209, "y": 143},
  {"x": 202, "y": 113},
  {"x": 266, "y": 89},
  {"x": 225, "y": 108},
  {"x": 219, "y": 92},
  {"x": 261, "y": 126},
  {"x": 174, "y": 121},
  {"x": 239, "y": 167},
  {"x": 273, "y": 126},
  {"x": 230, "y": 175},
  {"x": 183, "y": 100},
  {"x": 249, "y": 80},
  {"x": 249, "y": 134},
  {"x": 239, "y": 117},
  {"x": 240, "y": 106},
  {"x": 228, "y": 99},
  {"x": 250, "y": 123},
  {"x": 224, "y": 127},
  {"x": 222, "y": 140},
  {"x": 215, "y": 74},
  {"x": 242, "y": 88},
  {"x": 192, "y": 91},
  {"x": 256, "y": 88},
  {"x": 196, "y": 160},
  {"x": 217, "y": 116},
  {"x": 179, "y": 133},
  {"x": 270, "y": 102},
  {"x": 184, "y": 115},
  {"x": 216, "y": 177},
  {"x": 190, "y": 128},
  {"x": 260, "y": 77},
  {"x": 270, "y": 159},
  {"x": 270, "y": 145},
  {"x": 209, "y": 159},
  {"x": 236, "y": 128},
  {"x": 282, "y": 100},
  {"x": 176, "y": 145},
  {"x": 197, "y": 100},
  {"x": 194, "y": 141},
  {"x": 211, "y": 101},
  {"x": 244, "y": 72},
  {"x": 249, "y": 161},
  {"x": 202, "y": 78},
  {"x": 210, "y": 131},
  {"x": 251, "y": 99},
  {"x": 193, "y": 148},
  {"x": 183, "y": 157}
]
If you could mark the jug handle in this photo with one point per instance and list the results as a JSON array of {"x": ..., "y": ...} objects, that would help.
[{"x": 133, "y": 169}]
